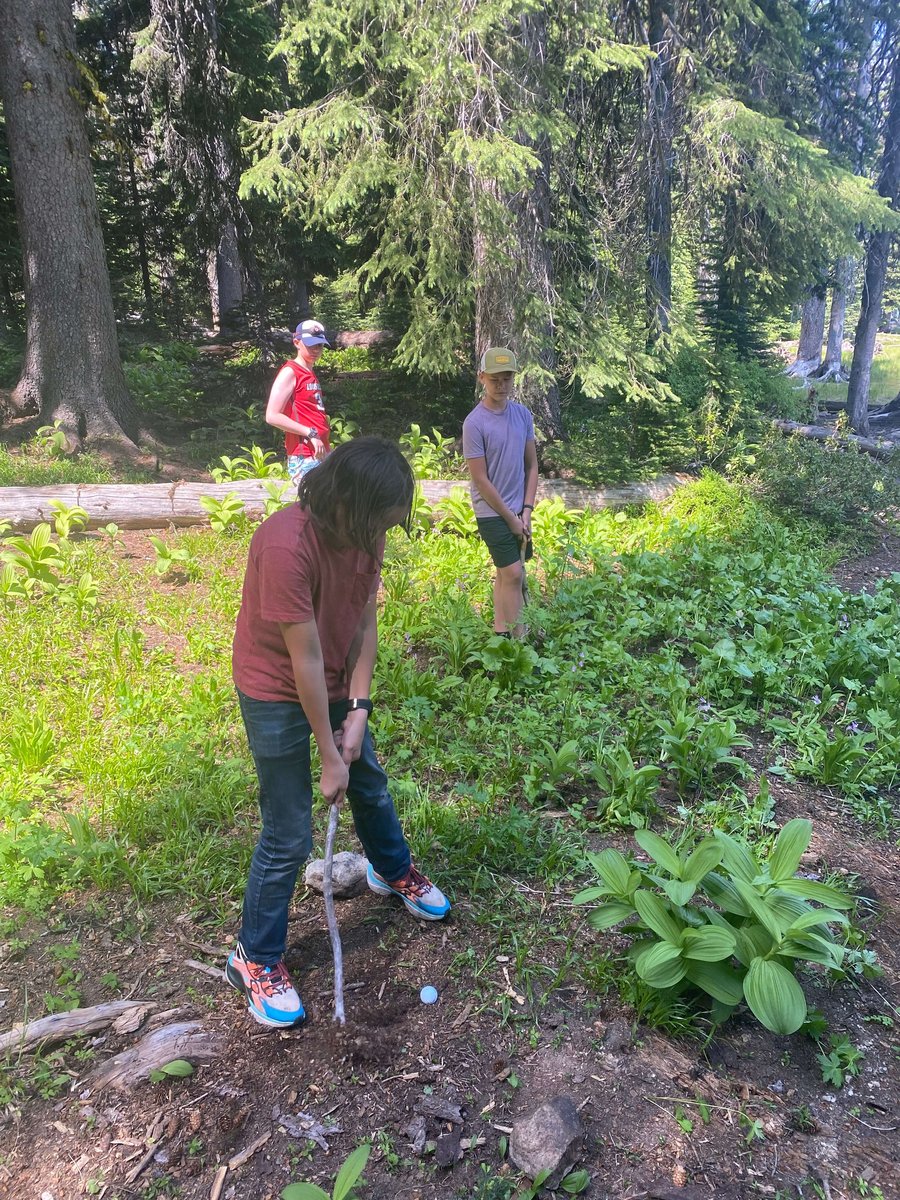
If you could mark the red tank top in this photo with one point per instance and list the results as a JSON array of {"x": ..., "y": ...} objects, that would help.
[{"x": 306, "y": 408}]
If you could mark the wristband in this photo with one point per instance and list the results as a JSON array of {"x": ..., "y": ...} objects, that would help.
[
  {"x": 529, "y": 506},
  {"x": 356, "y": 704}
]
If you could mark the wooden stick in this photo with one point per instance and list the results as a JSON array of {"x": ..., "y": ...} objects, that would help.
[{"x": 333, "y": 931}]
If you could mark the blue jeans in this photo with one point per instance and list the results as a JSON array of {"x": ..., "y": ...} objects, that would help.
[{"x": 279, "y": 733}]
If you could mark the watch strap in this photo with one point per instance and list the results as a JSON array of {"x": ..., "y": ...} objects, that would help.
[{"x": 356, "y": 703}]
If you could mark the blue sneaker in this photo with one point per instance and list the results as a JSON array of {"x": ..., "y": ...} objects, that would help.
[
  {"x": 419, "y": 894},
  {"x": 271, "y": 996}
]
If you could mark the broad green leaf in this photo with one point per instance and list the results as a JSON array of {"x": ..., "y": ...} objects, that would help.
[
  {"x": 679, "y": 893},
  {"x": 723, "y": 893},
  {"x": 818, "y": 916},
  {"x": 766, "y": 916},
  {"x": 589, "y": 895},
  {"x": 752, "y": 941},
  {"x": 790, "y": 846},
  {"x": 611, "y": 866},
  {"x": 712, "y": 943},
  {"x": 180, "y": 1068},
  {"x": 774, "y": 996},
  {"x": 303, "y": 1191},
  {"x": 653, "y": 912},
  {"x": 821, "y": 893},
  {"x": 737, "y": 857},
  {"x": 350, "y": 1172},
  {"x": 576, "y": 1182},
  {"x": 706, "y": 856},
  {"x": 816, "y": 949},
  {"x": 717, "y": 980},
  {"x": 659, "y": 850},
  {"x": 660, "y": 965},
  {"x": 608, "y": 915}
]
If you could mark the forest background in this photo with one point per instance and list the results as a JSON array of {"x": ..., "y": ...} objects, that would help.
[{"x": 641, "y": 198}]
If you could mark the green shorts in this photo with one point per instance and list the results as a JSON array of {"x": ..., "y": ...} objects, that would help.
[{"x": 503, "y": 545}]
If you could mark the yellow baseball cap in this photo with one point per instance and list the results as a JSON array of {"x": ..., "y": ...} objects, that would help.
[{"x": 497, "y": 360}]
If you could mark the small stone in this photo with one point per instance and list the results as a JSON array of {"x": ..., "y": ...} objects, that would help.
[
  {"x": 547, "y": 1139},
  {"x": 348, "y": 875},
  {"x": 447, "y": 1150},
  {"x": 618, "y": 1037}
]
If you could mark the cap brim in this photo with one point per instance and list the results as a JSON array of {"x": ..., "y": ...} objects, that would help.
[{"x": 309, "y": 339}]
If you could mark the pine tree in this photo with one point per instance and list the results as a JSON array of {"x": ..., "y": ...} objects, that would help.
[{"x": 72, "y": 371}]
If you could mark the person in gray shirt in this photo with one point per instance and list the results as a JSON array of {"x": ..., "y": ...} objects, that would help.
[{"x": 499, "y": 449}]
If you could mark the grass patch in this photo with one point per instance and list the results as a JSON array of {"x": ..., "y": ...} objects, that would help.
[{"x": 664, "y": 638}]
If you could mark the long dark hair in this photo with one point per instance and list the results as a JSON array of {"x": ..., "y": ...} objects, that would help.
[{"x": 350, "y": 492}]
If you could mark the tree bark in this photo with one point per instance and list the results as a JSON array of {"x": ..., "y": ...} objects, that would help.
[
  {"x": 660, "y": 137},
  {"x": 143, "y": 256},
  {"x": 72, "y": 371},
  {"x": 812, "y": 331},
  {"x": 832, "y": 369},
  {"x": 226, "y": 291},
  {"x": 877, "y": 256}
]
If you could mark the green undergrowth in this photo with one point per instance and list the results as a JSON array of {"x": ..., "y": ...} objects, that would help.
[{"x": 664, "y": 644}]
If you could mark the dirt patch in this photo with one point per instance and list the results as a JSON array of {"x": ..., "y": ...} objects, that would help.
[{"x": 861, "y": 574}]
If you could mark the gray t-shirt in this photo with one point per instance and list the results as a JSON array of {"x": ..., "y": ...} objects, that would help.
[{"x": 500, "y": 439}]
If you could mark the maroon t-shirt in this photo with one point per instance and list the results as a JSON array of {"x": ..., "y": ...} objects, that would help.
[{"x": 292, "y": 576}]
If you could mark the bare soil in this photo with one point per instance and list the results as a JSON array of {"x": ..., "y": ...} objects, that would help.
[{"x": 493, "y": 1046}]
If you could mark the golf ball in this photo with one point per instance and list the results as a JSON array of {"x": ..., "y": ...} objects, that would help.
[{"x": 428, "y": 995}]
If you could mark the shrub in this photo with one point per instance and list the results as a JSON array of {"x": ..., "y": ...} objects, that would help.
[
  {"x": 728, "y": 922},
  {"x": 837, "y": 485}
]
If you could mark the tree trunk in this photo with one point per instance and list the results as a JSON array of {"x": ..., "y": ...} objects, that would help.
[
  {"x": 876, "y": 269},
  {"x": 72, "y": 371},
  {"x": 812, "y": 331},
  {"x": 226, "y": 291},
  {"x": 143, "y": 256},
  {"x": 659, "y": 137},
  {"x": 832, "y": 369}
]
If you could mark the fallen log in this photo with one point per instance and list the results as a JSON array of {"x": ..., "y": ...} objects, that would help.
[
  {"x": 59, "y": 1027},
  {"x": 186, "y": 1039},
  {"x": 159, "y": 505},
  {"x": 820, "y": 433}
]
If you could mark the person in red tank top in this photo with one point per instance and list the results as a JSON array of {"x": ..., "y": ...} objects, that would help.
[{"x": 295, "y": 403}]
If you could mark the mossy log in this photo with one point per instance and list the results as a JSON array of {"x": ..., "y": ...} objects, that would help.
[{"x": 159, "y": 505}]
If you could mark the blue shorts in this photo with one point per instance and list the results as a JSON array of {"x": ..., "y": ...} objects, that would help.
[{"x": 299, "y": 464}]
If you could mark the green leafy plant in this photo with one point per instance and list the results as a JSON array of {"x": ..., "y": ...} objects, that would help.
[
  {"x": 549, "y": 768},
  {"x": 628, "y": 791},
  {"x": 509, "y": 660},
  {"x": 225, "y": 514},
  {"x": 168, "y": 557},
  {"x": 429, "y": 457},
  {"x": 696, "y": 749},
  {"x": 345, "y": 1182},
  {"x": 728, "y": 922},
  {"x": 178, "y": 1068},
  {"x": 68, "y": 518},
  {"x": 37, "y": 557},
  {"x": 52, "y": 439},
  {"x": 255, "y": 463},
  {"x": 841, "y": 1061},
  {"x": 342, "y": 430},
  {"x": 455, "y": 514}
]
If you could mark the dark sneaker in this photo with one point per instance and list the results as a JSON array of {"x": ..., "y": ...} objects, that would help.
[
  {"x": 419, "y": 894},
  {"x": 271, "y": 997}
]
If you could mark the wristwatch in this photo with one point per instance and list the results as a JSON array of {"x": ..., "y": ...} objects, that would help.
[{"x": 355, "y": 704}]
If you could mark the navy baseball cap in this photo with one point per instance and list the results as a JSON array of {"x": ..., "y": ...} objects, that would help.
[{"x": 310, "y": 333}]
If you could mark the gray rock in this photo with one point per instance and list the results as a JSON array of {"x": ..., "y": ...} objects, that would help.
[
  {"x": 618, "y": 1037},
  {"x": 348, "y": 875},
  {"x": 548, "y": 1138}
]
